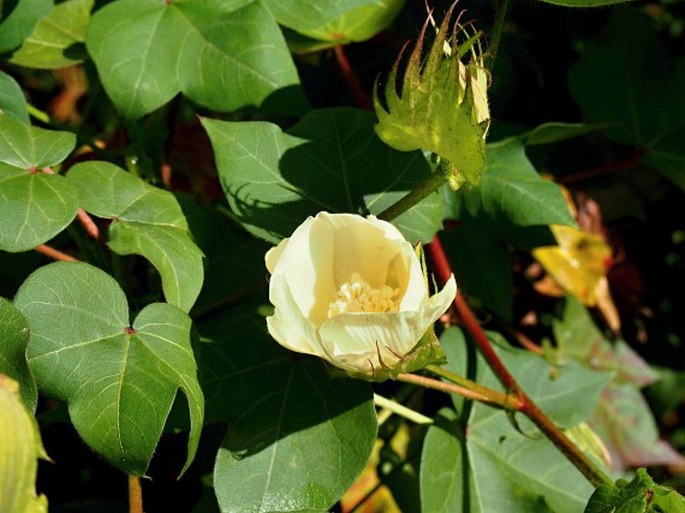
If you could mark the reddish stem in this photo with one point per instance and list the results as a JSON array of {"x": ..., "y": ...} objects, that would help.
[
  {"x": 443, "y": 271},
  {"x": 526, "y": 405},
  {"x": 135, "y": 495},
  {"x": 88, "y": 224},
  {"x": 352, "y": 79},
  {"x": 54, "y": 253},
  {"x": 622, "y": 165}
]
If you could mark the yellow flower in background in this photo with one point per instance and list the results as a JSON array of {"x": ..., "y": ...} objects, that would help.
[
  {"x": 579, "y": 262},
  {"x": 351, "y": 290}
]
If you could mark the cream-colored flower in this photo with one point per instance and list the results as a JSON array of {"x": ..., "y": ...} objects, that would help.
[{"x": 352, "y": 291}]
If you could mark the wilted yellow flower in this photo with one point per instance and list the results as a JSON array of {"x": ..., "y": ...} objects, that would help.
[{"x": 352, "y": 291}]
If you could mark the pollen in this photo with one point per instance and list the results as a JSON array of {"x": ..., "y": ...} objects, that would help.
[{"x": 357, "y": 295}]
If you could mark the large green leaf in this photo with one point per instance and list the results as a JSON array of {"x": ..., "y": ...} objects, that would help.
[
  {"x": 296, "y": 438},
  {"x": 517, "y": 471},
  {"x": 331, "y": 160},
  {"x": 119, "y": 377},
  {"x": 224, "y": 55},
  {"x": 12, "y": 100},
  {"x": 21, "y": 21},
  {"x": 34, "y": 206},
  {"x": 51, "y": 43},
  {"x": 336, "y": 21},
  {"x": 146, "y": 221},
  {"x": 641, "y": 92},
  {"x": 511, "y": 192},
  {"x": 14, "y": 337}
]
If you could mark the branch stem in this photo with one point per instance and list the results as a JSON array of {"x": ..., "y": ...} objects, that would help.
[
  {"x": 526, "y": 405},
  {"x": 53, "y": 253},
  {"x": 496, "y": 33},
  {"x": 135, "y": 495},
  {"x": 431, "y": 184},
  {"x": 351, "y": 78}
]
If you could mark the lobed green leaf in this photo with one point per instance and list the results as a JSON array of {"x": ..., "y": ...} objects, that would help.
[
  {"x": 118, "y": 377},
  {"x": 222, "y": 55},
  {"x": 146, "y": 221}
]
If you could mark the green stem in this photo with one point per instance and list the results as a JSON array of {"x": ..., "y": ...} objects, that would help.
[
  {"x": 431, "y": 184},
  {"x": 38, "y": 114},
  {"x": 496, "y": 33},
  {"x": 507, "y": 401}
]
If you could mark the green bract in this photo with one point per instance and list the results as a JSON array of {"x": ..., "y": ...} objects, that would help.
[{"x": 442, "y": 106}]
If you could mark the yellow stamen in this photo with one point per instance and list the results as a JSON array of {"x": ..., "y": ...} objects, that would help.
[{"x": 357, "y": 295}]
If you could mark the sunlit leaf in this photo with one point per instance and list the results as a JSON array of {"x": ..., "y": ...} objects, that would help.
[
  {"x": 119, "y": 377},
  {"x": 222, "y": 55},
  {"x": 20, "y": 448},
  {"x": 511, "y": 193},
  {"x": 14, "y": 337},
  {"x": 146, "y": 221},
  {"x": 297, "y": 438},
  {"x": 335, "y": 21},
  {"x": 34, "y": 206},
  {"x": 331, "y": 160},
  {"x": 51, "y": 43}
]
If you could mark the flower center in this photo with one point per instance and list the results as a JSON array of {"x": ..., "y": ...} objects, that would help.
[{"x": 357, "y": 295}]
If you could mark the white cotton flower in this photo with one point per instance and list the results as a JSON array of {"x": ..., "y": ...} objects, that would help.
[{"x": 352, "y": 291}]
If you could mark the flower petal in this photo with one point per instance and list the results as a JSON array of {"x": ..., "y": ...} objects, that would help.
[
  {"x": 364, "y": 246},
  {"x": 306, "y": 263},
  {"x": 355, "y": 340},
  {"x": 288, "y": 325}
]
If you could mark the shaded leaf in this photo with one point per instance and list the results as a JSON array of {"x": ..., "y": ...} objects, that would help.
[
  {"x": 512, "y": 193},
  {"x": 49, "y": 46},
  {"x": 445, "y": 469},
  {"x": 483, "y": 266},
  {"x": 12, "y": 100},
  {"x": 335, "y": 21},
  {"x": 641, "y": 94},
  {"x": 297, "y": 439},
  {"x": 552, "y": 132},
  {"x": 34, "y": 206},
  {"x": 20, "y": 22},
  {"x": 14, "y": 337},
  {"x": 20, "y": 449},
  {"x": 146, "y": 221},
  {"x": 331, "y": 160},
  {"x": 119, "y": 378},
  {"x": 222, "y": 55}
]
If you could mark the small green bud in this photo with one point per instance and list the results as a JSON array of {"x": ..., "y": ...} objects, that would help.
[{"x": 442, "y": 106}]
